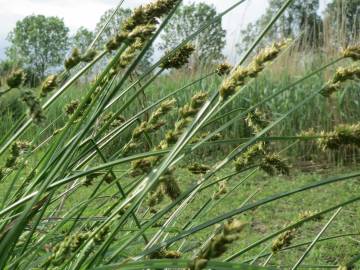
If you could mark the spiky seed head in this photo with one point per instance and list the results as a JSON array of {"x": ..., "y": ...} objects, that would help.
[
  {"x": 272, "y": 163},
  {"x": 49, "y": 85},
  {"x": 72, "y": 107},
  {"x": 16, "y": 78},
  {"x": 34, "y": 106},
  {"x": 198, "y": 100},
  {"x": 284, "y": 240},
  {"x": 341, "y": 75},
  {"x": 179, "y": 58},
  {"x": 223, "y": 69},
  {"x": 343, "y": 135},
  {"x": 352, "y": 52},
  {"x": 142, "y": 31},
  {"x": 73, "y": 60},
  {"x": 227, "y": 89}
]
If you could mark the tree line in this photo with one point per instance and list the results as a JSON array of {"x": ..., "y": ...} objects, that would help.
[{"x": 38, "y": 44}]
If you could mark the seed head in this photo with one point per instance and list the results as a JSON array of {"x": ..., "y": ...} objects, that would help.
[
  {"x": 179, "y": 58},
  {"x": 140, "y": 167},
  {"x": 284, "y": 240},
  {"x": 342, "y": 74},
  {"x": 73, "y": 60},
  {"x": 34, "y": 107},
  {"x": 48, "y": 85},
  {"x": 241, "y": 74},
  {"x": 223, "y": 69},
  {"x": 143, "y": 32},
  {"x": 16, "y": 78},
  {"x": 72, "y": 107},
  {"x": 256, "y": 120},
  {"x": 249, "y": 156},
  {"x": 148, "y": 14},
  {"x": 272, "y": 163},
  {"x": 343, "y": 135},
  {"x": 164, "y": 108},
  {"x": 219, "y": 244},
  {"x": 352, "y": 52},
  {"x": 115, "y": 42}
]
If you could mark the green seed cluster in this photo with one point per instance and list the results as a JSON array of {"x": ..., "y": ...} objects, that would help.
[
  {"x": 117, "y": 121},
  {"x": 250, "y": 156},
  {"x": 148, "y": 14},
  {"x": 272, "y": 163},
  {"x": 256, "y": 120},
  {"x": 138, "y": 28},
  {"x": 352, "y": 52},
  {"x": 179, "y": 58},
  {"x": 241, "y": 74},
  {"x": 71, "y": 244},
  {"x": 343, "y": 135},
  {"x": 89, "y": 179},
  {"x": 218, "y": 244},
  {"x": 223, "y": 69},
  {"x": 342, "y": 75},
  {"x": 76, "y": 57},
  {"x": 35, "y": 109},
  {"x": 48, "y": 85},
  {"x": 16, "y": 151},
  {"x": 284, "y": 240},
  {"x": 169, "y": 185},
  {"x": 72, "y": 107}
]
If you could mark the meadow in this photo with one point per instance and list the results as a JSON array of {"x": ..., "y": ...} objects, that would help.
[{"x": 246, "y": 166}]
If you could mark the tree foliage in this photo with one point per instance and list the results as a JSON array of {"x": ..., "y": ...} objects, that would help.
[
  {"x": 344, "y": 19},
  {"x": 39, "y": 43},
  {"x": 300, "y": 18},
  {"x": 209, "y": 44},
  {"x": 82, "y": 39}
]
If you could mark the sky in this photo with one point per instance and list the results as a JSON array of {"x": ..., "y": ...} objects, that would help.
[{"x": 77, "y": 13}]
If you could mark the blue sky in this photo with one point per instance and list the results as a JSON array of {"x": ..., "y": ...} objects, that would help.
[{"x": 86, "y": 13}]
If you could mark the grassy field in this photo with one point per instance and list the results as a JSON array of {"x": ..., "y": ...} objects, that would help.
[{"x": 247, "y": 188}]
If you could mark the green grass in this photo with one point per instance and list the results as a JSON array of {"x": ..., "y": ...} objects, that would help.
[{"x": 263, "y": 220}]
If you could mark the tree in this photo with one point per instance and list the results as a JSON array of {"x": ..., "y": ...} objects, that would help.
[
  {"x": 82, "y": 39},
  {"x": 300, "y": 17},
  {"x": 113, "y": 28},
  {"x": 39, "y": 43},
  {"x": 344, "y": 19},
  {"x": 209, "y": 43}
]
